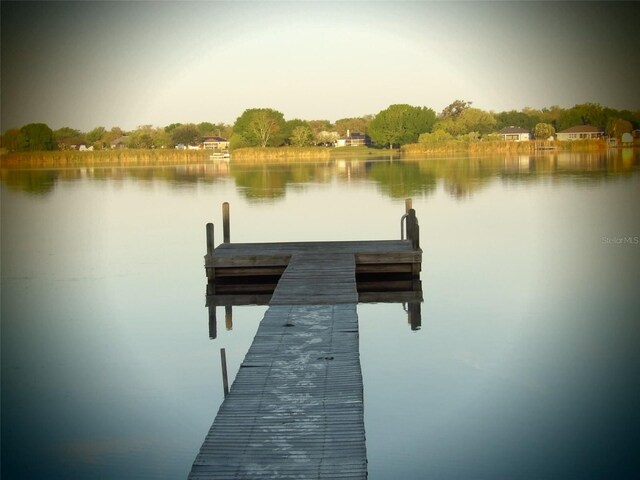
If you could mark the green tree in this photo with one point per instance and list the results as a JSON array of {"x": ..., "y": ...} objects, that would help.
[
  {"x": 171, "y": 127},
  {"x": 290, "y": 126},
  {"x": 476, "y": 120},
  {"x": 618, "y": 126},
  {"x": 568, "y": 118},
  {"x": 301, "y": 136},
  {"x": 527, "y": 118},
  {"x": 551, "y": 115},
  {"x": 238, "y": 141},
  {"x": 162, "y": 139},
  {"x": 401, "y": 124},
  {"x": 205, "y": 128},
  {"x": 354, "y": 124},
  {"x": 111, "y": 135},
  {"x": 65, "y": 137},
  {"x": 146, "y": 136},
  {"x": 94, "y": 136},
  {"x": 11, "y": 140},
  {"x": 318, "y": 126},
  {"x": 542, "y": 131},
  {"x": 185, "y": 134},
  {"x": 470, "y": 120},
  {"x": 259, "y": 127},
  {"x": 36, "y": 137},
  {"x": 455, "y": 109},
  {"x": 583, "y": 114}
]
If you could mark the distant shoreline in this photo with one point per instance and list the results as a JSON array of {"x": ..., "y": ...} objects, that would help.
[{"x": 143, "y": 157}]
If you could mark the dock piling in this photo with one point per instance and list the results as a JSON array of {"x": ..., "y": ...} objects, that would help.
[
  {"x": 210, "y": 241},
  {"x": 413, "y": 229},
  {"x": 228, "y": 317},
  {"x": 213, "y": 322},
  {"x": 209, "y": 257},
  {"x": 225, "y": 378},
  {"x": 226, "y": 233}
]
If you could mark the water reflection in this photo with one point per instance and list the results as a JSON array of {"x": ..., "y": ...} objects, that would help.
[
  {"x": 529, "y": 369},
  {"x": 460, "y": 177},
  {"x": 400, "y": 289}
]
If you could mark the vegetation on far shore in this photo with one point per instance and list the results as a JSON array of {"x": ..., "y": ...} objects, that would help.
[
  {"x": 263, "y": 134},
  {"x": 102, "y": 158},
  {"x": 283, "y": 155}
]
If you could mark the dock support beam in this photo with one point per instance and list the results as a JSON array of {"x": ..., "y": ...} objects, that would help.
[
  {"x": 228, "y": 317},
  {"x": 210, "y": 246},
  {"x": 413, "y": 229},
  {"x": 225, "y": 378},
  {"x": 226, "y": 233},
  {"x": 213, "y": 322},
  {"x": 210, "y": 270},
  {"x": 415, "y": 315}
]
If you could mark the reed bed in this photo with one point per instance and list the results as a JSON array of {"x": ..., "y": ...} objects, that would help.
[
  {"x": 502, "y": 147},
  {"x": 279, "y": 154},
  {"x": 102, "y": 158}
]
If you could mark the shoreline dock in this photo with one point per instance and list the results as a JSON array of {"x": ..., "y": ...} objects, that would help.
[{"x": 296, "y": 407}]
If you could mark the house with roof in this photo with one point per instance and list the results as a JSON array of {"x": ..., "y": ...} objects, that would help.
[
  {"x": 354, "y": 139},
  {"x": 580, "y": 132},
  {"x": 514, "y": 134},
  {"x": 120, "y": 142},
  {"x": 214, "y": 143}
]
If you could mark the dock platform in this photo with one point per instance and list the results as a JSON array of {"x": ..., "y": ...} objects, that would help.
[{"x": 296, "y": 407}]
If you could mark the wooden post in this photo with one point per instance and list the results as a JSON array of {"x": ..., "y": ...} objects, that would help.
[
  {"x": 228, "y": 317},
  {"x": 225, "y": 379},
  {"x": 415, "y": 315},
  {"x": 408, "y": 205},
  {"x": 413, "y": 229},
  {"x": 213, "y": 323},
  {"x": 208, "y": 259},
  {"x": 210, "y": 241},
  {"x": 225, "y": 223}
]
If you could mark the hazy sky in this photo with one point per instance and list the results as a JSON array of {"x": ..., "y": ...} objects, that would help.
[{"x": 88, "y": 64}]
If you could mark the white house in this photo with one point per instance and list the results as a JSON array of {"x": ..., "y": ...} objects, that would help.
[
  {"x": 354, "y": 139},
  {"x": 215, "y": 143},
  {"x": 580, "y": 132},
  {"x": 514, "y": 134}
]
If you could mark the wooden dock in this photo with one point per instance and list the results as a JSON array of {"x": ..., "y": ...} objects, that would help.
[{"x": 295, "y": 409}]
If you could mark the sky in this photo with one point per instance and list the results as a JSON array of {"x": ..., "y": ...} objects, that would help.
[{"x": 89, "y": 64}]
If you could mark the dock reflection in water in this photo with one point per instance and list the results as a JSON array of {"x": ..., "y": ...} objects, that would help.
[
  {"x": 297, "y": 404},
  {"x": 408, "y": 292}
]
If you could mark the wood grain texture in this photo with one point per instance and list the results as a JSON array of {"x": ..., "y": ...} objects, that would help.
[{"x": 295, "y": 409}]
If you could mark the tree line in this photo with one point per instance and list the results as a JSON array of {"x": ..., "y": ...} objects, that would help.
[{"x": 394, "y": 126}]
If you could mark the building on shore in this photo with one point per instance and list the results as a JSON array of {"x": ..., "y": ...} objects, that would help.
[
  {"x": 515, "y": 134},
  {"x": 580, "y": 132}
]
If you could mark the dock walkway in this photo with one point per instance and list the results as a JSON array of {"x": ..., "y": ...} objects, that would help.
[{"x": 295, "y": 409}]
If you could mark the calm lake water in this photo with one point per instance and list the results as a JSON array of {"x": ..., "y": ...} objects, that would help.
[{"x": 526, "y": 365}]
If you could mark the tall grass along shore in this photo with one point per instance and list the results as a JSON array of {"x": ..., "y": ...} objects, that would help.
[
  {"x": 102, "y": 158},
  {"x": 141, "y": 157}
]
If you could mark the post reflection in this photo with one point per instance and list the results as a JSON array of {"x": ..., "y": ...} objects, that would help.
[{"x": 403, "y": 290}]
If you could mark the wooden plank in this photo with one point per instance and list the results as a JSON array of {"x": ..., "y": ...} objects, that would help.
[
  {"x": 317, "y": 278},
  {"x": 295, "y": 409},
  {"x": 277, "y": 255}
]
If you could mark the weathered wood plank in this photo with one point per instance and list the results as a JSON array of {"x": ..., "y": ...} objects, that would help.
[
  {"x": 317, "y": 278},
  {"x": 295, "y": 409}
]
